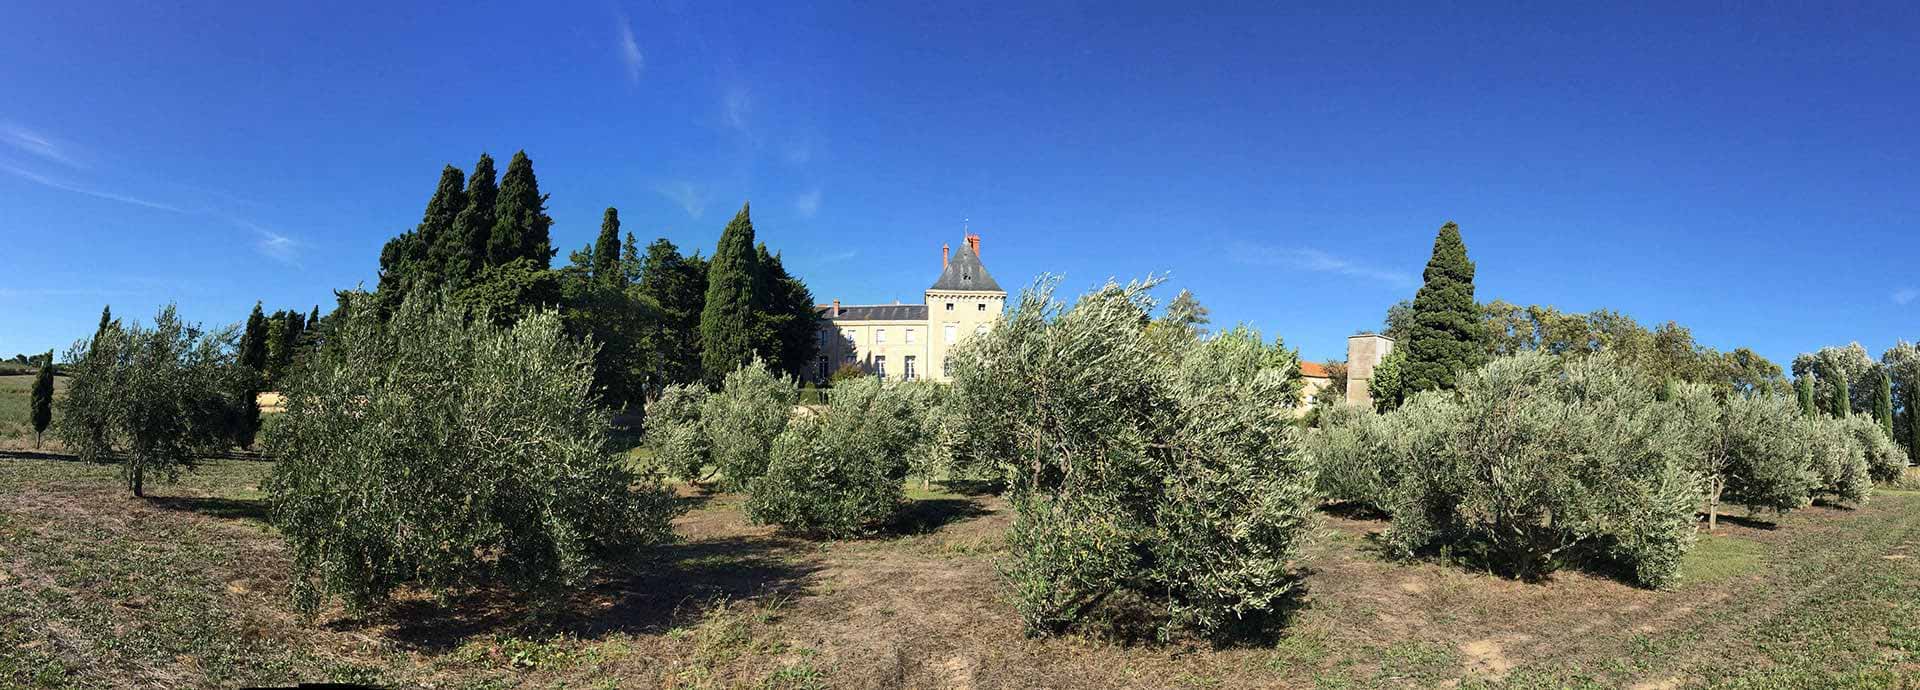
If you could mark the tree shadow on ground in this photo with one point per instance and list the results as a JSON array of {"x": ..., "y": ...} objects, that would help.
[
  {"x": 1353, "y": 511},
  {"x": 930, "y": 514},
  {"x": 972, "y": 487},
  {"x": 227, "y": 508},
  {"x": 1747, "y": 521},
  {"x": 37, "y": 455},
  {"x": 658, "y": 589}
]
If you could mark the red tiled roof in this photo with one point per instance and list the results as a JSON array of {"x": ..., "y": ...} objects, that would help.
[{"x": 1313, "y": 370}]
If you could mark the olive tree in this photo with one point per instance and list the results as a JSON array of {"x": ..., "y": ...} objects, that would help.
[
  {"x": 1546, "y": 458},
  {"x": 742, "y": 419},
  {"x": 152, "y": 399},
  {"x": 1150, "y": 471},
  {"x": 676, "y": 435},
  {"x": 1839, "y": 461},
  {"x": 1885, "y": 459},
  {"x": 442, "y": 451},
  {"x": 1749, "y": 452},
  {"x": 839, "y": 474}
]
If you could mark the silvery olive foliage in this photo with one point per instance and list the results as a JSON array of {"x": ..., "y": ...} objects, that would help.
[
  {"x": 1547, "y": 458},
  {"x": 675, "y": 434},
  {"x": 151, "y": 398},
  {"x": 439, "y": 451},
  {"x": 839, "y": 474},
  {"x": 1749, "y": 451},
  {"x": 1361, "y": 456},
  {"x": 751, "y": 408},
  {"x": 1885, "y": 459},
  {"x": 1839, "y": 461},
  {"x": 1152, "y": 472},
  {"x": 932, "y": 452}
]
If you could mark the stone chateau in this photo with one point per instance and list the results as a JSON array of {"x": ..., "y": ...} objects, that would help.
[{"x": 904, "y": 342}]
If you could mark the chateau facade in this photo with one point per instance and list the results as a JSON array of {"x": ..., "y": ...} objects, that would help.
[{"x": 904, "y": 342}]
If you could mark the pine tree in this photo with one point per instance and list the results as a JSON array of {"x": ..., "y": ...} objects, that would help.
[
  {"x": 467, "y": 243},
  {"x": 42, "y": 403},
  {"x": 106, "y": 319},
  {"x": 727, "y": 323},
  {"x": 520, "y": 220},
  {"x": 1803, "y": 389},
  {"x": 606, "y": 249},
  {"x": 1445, "y": 336},
  {"x": 253, "y": 341},
  {"x": 789, "y": 323},
  {"x": 1842, "y": 405},
  {"x": 1883, "y": 403}
]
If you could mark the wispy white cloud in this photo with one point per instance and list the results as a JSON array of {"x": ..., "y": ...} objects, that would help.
[
  {"x": 1308, "y": 259},
  {"x": 1905, "y": 296},
  {"x": 630, "y": 51},
  {"x": 279, "y": 247},
  {"x": 738, "y": 107},
  {"x": 77, "y": 189},
  {"x": 809, "y": 203},
  {"x": 38, "y": 144},
  {"x": 691, "y": 198}
]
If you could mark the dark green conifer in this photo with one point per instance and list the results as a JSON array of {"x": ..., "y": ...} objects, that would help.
[
  {"x": 606, "y": 249},
  {"x": 41, "y": 413},
  {"x": 472, "y": 227},
  {"x": 1803, "y": 389},
  {"x": 1842, "y": 405},
  {"x": 1446, "y": 331},
  {"x": 728, "y": 321},
  {"x": 1883, "y": 403},
  {"x": 520, "y": 221},
  {"x": 253, "y": 341}
]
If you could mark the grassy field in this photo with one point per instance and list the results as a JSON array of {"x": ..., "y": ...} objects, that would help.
[
  {"x": 189, "y": 589},
  {"x": 16, "y": 398}
]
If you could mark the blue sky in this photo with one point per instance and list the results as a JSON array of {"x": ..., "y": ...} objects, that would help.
[{"x": 1747, "y": 170}]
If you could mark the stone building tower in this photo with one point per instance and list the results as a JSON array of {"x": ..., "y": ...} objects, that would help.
[
  {"x": 962, "y": 303},
  {"x": 1364, "y": 352}
]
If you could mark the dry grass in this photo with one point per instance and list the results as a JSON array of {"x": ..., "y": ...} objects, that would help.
[{"x": 98, "y": 589}]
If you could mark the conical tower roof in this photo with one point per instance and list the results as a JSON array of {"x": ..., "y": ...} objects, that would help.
[{"x": 964, "y": 272}]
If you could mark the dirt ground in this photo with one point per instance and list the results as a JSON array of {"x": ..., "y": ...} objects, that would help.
[{"x": 188, "y": 588}]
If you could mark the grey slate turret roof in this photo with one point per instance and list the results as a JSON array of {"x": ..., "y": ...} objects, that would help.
[{"x": 964, "y": 272}]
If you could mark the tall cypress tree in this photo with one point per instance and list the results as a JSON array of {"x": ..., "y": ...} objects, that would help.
[
  {"x": 1803, "y": 389},
  {"x": 1446, "y": 326},
  {"x": 606, "y": 249},
  {"x": 1883, "y": 403},
  {"x": 41, "y": 414},
  {"x": 106, "y": 319},
  {"x": 436, "y": 238},
  {"x": 1913, "y": 423},
  {"x": 728, "y": 321},
  {"x": 1842, "y": 404},
  {"x": 789, "y": 324},
  {"x": 520, "y": 220},
  {"x": 472, "y": 227},
  {"x": 253, "y": 341},
  {"x": 678, "y": 287}
]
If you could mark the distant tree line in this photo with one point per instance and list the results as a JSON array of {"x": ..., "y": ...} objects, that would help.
[{"x": 657, "y": 317}]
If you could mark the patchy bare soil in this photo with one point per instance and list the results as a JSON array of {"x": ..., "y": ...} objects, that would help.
[{"x": 189, "y": 589}]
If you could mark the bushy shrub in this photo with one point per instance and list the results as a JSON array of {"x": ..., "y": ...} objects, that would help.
[
  {"x": 1750, "y": 452},
  {"x": 839, "y": 474},
  {"x": 1352, "y": 455},
  {"x": 1885, "y": 459},
  {"x": 1546, "y": 458},
  {"x": 442, "y": 451},
  {"x": 932, "y": 453},
  {"x": 151, "y": 399},
  {"x": 1151, "y": 472},
  {"x": 742, "y": 419},
  {"x": 1839, "y": 461},
  {"x": 675, "y": 434}
]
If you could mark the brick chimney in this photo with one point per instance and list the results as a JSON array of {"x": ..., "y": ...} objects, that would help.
[
  {"x": 973, "y": 242},
  {"x": 945, "y": 251},
  {"x": 836, "y": 309}
]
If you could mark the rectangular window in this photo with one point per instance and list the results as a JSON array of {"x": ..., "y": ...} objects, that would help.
[
  {"x": 949, "y": 306},
  {"x": 880, "y": 367},
  {"x": 850, "y": 335},
  {"x": 947, "y": 332},
  {"x": 822, "y": 367},
  {"x": 981, "y": 306},
  {"x": 908, "y": 372},
  {"x": 909, "y": 336},
  {"x": 946, "y": 367},
  {"x": 879, "y": 336}
]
